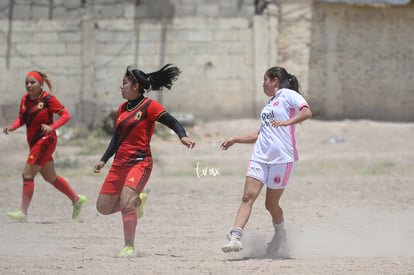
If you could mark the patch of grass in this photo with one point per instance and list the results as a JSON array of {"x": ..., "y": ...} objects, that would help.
[
  {"x": 378, "y": 168},
  {"x": 181, "y": 173},
  {"x": 89, "y": 141},
  {"x": 162, "y": 131},
  {"x": 64, "y": 162},
  {"x": 342, "y": 167}
]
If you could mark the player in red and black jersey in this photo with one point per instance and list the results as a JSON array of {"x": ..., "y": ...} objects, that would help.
[
  {"x": 36, "y": 112},
  {"x": 132, "y": 165}
]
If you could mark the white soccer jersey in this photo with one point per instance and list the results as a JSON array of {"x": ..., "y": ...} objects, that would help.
[{"x": 277, "y": 144}]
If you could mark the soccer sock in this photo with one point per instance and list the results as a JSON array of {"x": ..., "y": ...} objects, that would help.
[
  {"x": 62, "y": 185},
  {"x": 28, "y": 188},
  {"x": 129, "y": 219},
  {"x": 280, "y": 231},
  {"x": 278, "y": 226},
  {"x": 236, "y": 233}
]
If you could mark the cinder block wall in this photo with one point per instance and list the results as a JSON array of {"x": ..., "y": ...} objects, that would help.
[
  {"x": 85, "y": 50},
  {"x": 362, "y": 61},
  {"x": 352, "y": 61}
]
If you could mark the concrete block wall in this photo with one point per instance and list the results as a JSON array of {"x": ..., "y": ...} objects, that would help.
[
  {"x": 123, "y": 9},
  {"x": 215, "y": 56},
  {"x": 50, "y": 46},
  {"x": 85, "y": 50},
  {"x": 361, "y": 61},
  {"x": 352, "y": 61}
]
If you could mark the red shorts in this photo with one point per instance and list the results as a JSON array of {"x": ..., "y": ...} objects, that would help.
[
  {"x": 42, "y": 151},
  {"x": 135, "y": 177}
]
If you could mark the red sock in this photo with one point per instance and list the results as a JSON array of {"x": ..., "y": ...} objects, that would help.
[
  {"x": 28, "y": 188},
  {"x": 62, "y": 185},
  {"x": 129, "y": 219}
]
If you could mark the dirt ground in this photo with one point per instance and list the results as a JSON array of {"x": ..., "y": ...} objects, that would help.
[{"x": 349, "y": 208}]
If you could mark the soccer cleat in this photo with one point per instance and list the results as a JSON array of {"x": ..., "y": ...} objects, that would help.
[
  {"x": 273, "y": 246},
  {"x": 234, "y": 245},
  {"x": 77, "y": 206},
  {"x": 127, "y": 251},
  {"x": 278, "y": 247},
  {"x": 140, "y": 209},
  {"x": 284, "y": 251},
  {"x": 17, "y": 216}
]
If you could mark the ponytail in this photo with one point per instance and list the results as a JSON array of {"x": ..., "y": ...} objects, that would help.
[
  {"x": 293, "y": 83},
  {"x": 164, "y": 77},
  {"x": 286, "y": 80},
  {"x": 46, "y": 80}
]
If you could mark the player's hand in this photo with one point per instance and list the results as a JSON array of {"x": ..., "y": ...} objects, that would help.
[
  {"x": 188, "y": 142},
  {"x": 227, "y": 143},
  {"x": 277, "y": 123},
  {"x": 46, "y": 128},
  {"x": 99, "y": 166},
  {"x": 7, "y": 129}
]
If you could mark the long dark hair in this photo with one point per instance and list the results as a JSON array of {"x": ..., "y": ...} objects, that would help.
[
  {"x": 286, "y": 80},
  {"x": 164, "y": 77}
]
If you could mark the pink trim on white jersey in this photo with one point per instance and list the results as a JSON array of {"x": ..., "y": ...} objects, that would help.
[
  {"x": 292, "y": 135},
  {"x": 303, "y": 105},
  {"x": 278, "y": 144}
]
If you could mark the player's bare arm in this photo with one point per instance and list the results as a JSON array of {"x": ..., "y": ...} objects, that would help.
[
  {"x": 304, "y": 114},
  {"x": 251, "y": 138}
]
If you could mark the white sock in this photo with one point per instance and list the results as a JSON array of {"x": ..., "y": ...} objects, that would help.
[
  {"x": 236, "y": 232},
  {"x": 279, "y": 226}
]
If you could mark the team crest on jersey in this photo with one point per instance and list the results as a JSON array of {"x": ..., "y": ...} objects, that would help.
[
  {"x": 40, "y": 105},
  {"x": 23, "y": 107},
  {"x": 131, "y": 179},
  {"x": 31, "y": 157},
  {"x": 138, "y": 115},
  {"x": 276, "y": 103}
]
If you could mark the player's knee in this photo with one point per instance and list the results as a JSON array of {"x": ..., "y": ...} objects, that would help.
[
  {"x": 103, "y": 209},
  {"x": 51, "y": 180},
  {"x": 26, "y": 175},
  {"x": 272, "y": 206},
  {"x": 247, "y": 198}
]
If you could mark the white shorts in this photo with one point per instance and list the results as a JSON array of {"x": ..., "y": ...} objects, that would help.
[{"x": 274, "y": 176}]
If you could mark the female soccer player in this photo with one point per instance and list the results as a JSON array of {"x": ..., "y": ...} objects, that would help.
[
  {"x": 132, "y": 165},
  {"x": 36, "y": 112},
  {"x": 273, "y": 159}
]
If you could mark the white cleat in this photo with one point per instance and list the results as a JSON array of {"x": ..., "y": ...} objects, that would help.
[{"x": 233, "y": 245}]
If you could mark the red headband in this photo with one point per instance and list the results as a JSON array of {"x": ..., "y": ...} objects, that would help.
[{"x": 36, "y": 75}]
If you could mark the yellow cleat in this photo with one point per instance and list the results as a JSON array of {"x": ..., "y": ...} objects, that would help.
[
  {"x": 77, "y": 206},
  {"x": 140, "y": 209},
  {"x": 127, "y": 251},
  {"x": 17, "y": 216}
]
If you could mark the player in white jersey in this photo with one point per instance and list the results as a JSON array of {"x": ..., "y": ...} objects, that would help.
[{"x": 273, "y": 159}]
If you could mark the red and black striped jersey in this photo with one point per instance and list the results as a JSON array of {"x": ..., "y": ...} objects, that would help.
[
  {"x": 33, "y": 113},
  {"x": 134, "y": 129}
]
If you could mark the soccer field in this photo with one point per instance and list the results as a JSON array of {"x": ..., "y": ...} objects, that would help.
[{"x": 348, "y": 209}]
